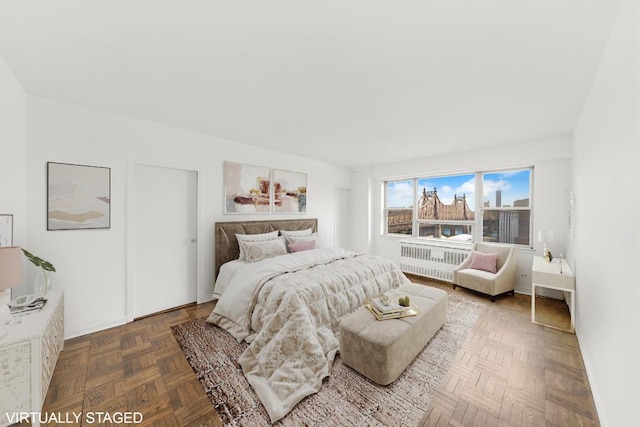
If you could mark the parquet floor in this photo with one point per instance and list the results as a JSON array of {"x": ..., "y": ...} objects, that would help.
[
  {"x": 509, "y": 373},
  {"x": 137, "y": 367}
]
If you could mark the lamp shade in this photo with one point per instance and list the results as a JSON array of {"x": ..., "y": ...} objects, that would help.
[
  {"x": 546, "y": 236},
  {"x": 10, "y": 267}
]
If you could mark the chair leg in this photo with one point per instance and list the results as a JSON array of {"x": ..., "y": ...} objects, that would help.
[
  {"x": 493, "y": 298},
  {"x": 454, "y": 286}
]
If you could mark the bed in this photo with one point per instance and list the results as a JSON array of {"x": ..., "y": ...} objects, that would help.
[{"x": 289, "y": 306}]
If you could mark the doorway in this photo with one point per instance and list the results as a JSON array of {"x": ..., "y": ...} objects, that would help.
[
  {"x": 164, "y": 245},
  {"x": 342, "y": 218}
]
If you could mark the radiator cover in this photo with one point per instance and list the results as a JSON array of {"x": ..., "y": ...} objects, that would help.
[{"x": 432, "y": 260}]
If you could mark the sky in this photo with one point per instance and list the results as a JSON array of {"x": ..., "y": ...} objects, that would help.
[
  {"x": 513, "y": 184},
  {"x": 450, "y": 186}
]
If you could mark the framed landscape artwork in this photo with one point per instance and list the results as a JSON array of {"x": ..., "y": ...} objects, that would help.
[
  {"x": 290, "y": 191},
  {"x": 6, "y": 230},
  {"x": 246, "y": 189},
  {"x": 78, "y": 197}
]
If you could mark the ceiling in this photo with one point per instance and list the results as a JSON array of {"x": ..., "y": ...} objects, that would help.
[{"x": 349, "y": 82}]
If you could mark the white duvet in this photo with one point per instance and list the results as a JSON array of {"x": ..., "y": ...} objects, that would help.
[{"x": 289, "y": 308}]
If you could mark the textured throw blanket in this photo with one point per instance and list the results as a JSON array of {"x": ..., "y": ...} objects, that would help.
[{"x": 294, "y": 316}]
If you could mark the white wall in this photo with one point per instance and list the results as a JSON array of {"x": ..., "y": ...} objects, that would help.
[
  {"x": 550, "y": 158},
  {"x": 12, "y": 169},
  {"x": 13, "y": 145},
  {"x": 606, "y": 247},
  {"x": 360, "y": 211},
  {"x": 91, "y": 264}
]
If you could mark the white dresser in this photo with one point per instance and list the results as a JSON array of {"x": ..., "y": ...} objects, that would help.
[{"x": 28, "y": 356}]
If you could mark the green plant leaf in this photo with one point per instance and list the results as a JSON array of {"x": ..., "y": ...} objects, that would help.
[{"x": 38, "y": 262}]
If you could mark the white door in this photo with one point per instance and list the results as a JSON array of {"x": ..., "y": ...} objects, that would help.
[
  {"x": 165, "y": 239},
  {"x": 342, "y": 218}
]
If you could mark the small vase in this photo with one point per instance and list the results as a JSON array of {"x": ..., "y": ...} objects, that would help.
[{"x": 43, "y": 283}]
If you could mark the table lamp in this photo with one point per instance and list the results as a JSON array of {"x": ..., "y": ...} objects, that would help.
[
  {"x": 546, "y": 236},
  {"x": 10, "y": 277}
]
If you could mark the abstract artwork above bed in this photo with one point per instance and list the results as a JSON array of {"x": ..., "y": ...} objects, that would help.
[
  {"x": 247, "y": 188},
  {"x": 290, "y": 191},
  {"x": 251, "y": 189}
]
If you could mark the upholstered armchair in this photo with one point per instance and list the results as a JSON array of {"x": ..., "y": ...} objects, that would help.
[{"x": 490, "y": 269}]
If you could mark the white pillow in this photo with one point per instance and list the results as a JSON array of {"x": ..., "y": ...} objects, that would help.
[
  {"x": 261, "y": 237},
  {"x": 257, "y": 251},
  {"x": 305, "y": 232}
]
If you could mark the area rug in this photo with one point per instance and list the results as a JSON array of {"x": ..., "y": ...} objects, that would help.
[{"x": 346, "y": 397}]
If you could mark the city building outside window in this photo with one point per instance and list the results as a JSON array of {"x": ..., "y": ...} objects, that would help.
[{"x": 506, "y": 207}]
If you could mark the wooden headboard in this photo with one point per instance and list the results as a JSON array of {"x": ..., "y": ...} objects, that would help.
[{"x": 227, "y": 245}]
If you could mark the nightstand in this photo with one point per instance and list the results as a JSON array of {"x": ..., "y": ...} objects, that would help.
[
  {"x": 28, "y": 356},
  {"x": 553, "y": 275}
]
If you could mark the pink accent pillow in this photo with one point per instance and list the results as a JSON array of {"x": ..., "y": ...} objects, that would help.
[
  {"x": 485, "y": 262},
  {"x": 302, "y": 246}
]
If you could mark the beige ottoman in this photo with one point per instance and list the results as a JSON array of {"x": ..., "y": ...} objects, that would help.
[{"x": 381, "y": 349}]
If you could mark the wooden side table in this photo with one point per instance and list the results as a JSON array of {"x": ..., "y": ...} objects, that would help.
[{"x": 553, "y": 275}]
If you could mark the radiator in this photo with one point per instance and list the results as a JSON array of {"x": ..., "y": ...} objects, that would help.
[{"x": 431, "y": 260}]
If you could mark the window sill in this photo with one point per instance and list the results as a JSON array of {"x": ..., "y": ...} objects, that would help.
[
  {"x": 428, "y": 241},
  {"x": 447, "y": 243}
]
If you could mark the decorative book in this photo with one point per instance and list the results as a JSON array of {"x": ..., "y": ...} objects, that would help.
[
  {"x": 391, "y": 307},
  {"x": 36, "y": 305},
  {"x": 392, "y": 310},
  {"x": 405, "y": 312}
]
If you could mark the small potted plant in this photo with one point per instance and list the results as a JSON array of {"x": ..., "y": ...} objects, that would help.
[{"x": 44, "y": 266}]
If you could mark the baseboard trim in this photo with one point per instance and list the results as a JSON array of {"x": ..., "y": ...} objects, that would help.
[
  {"x": 96, "y": 327},
  {"x": 179, "y": 307}
]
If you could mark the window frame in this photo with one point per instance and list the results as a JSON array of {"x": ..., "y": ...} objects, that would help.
[
  {"x": 510, "y": 208},
  {"x": 386, "y": 209},
  {"x": 476, "y": 224},
  {"x": 451, "y": 222}
]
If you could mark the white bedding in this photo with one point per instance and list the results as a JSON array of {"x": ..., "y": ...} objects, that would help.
[
  {"x": 225, "y": 275},
  {"x": 235, "y": 305},
  {"x": 289, "y": 308}
]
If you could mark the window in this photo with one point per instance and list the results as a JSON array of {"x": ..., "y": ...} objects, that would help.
[
  {"x": 506, "y": 201},
  {"x": 399, "y": 207},
  {"x": 445, "y": 206},
  {"x": 487, "y": 206}
]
